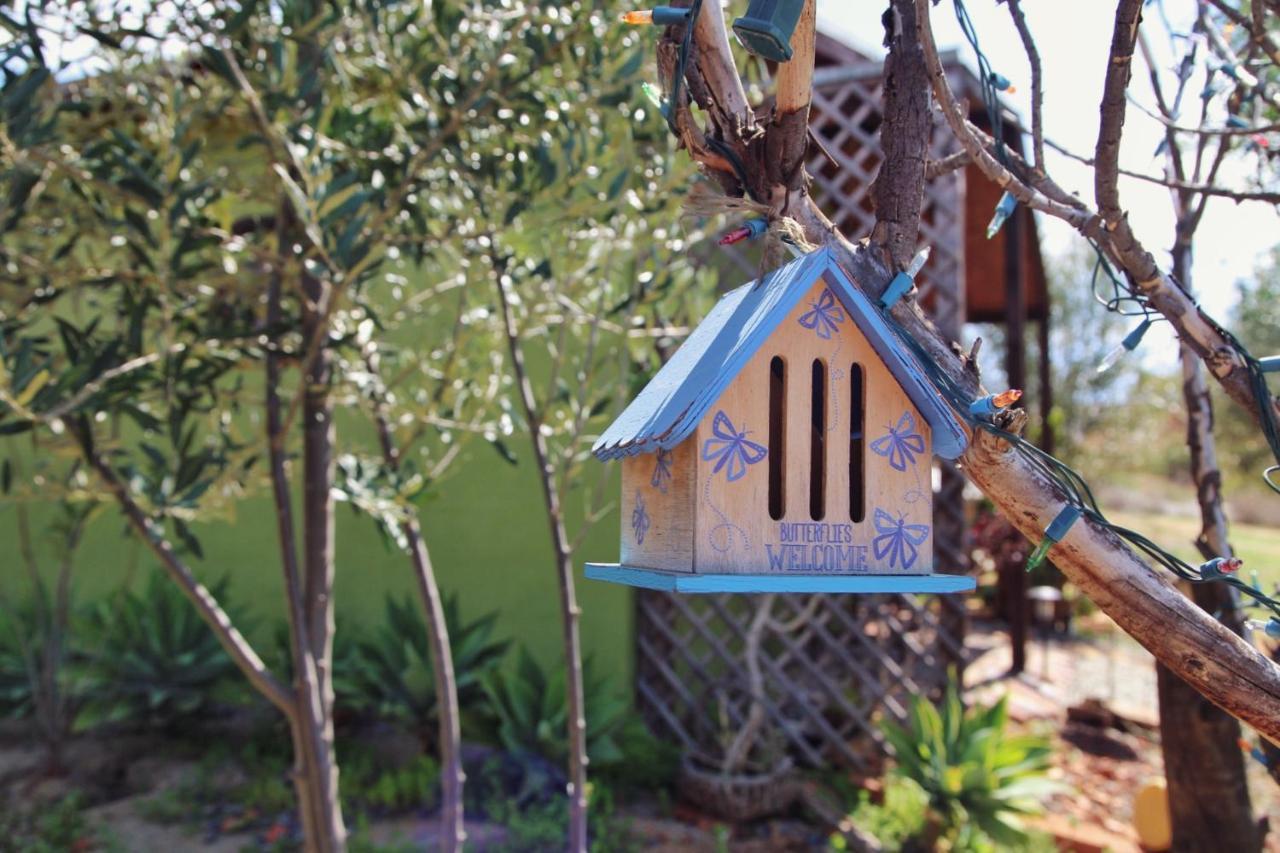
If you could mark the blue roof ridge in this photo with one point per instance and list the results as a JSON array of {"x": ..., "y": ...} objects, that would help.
[{"x": 672, "y": 404}]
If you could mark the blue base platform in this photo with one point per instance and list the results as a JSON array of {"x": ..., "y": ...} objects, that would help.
[{"x": 685, "y": 582}]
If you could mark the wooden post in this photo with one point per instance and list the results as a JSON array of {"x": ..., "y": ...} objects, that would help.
[
  {"x": 1045, "y": 384},
  {"x": 1015, "y": 313}
]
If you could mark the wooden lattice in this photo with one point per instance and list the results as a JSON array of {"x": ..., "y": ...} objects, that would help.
[{"x": 820, "y": 670}]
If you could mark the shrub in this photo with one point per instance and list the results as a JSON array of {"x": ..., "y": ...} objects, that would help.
[
  {"x": 149, "y": 659},
  {"x": 532, "y": 712},
  {"x": 382, "y": 790},
  {"x": 19, "y": 668},
  {"x": 973, "y": 774},
  {"x": 391, "y": 675}
]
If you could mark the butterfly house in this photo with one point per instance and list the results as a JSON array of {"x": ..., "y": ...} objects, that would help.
[{"x": 787, "y": 446}]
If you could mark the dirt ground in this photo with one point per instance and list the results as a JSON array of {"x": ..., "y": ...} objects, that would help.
[
  {"x": 1098, "y": 671},
  {"x": 1105, "y": 674}
]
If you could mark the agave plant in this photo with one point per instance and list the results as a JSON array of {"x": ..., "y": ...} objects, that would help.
[
  {"x": 532, "y": 712},
  {"x": 974, "y": 774},
  {"x": 148, "y": 658},
  {"x": 391, "y": 674}
]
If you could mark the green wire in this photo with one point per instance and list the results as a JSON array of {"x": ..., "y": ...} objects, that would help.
[{"x": 1071, "y": 483}]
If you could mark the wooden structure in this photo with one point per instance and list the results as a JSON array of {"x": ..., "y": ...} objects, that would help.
[
  {"x": 829, "y": 665},
  {"x": 836, "y": 493}
]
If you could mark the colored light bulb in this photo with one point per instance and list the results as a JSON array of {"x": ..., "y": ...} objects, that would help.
[
  {"x": 918, "y": 262},
  {"x": 1220, "y": 567},
  {"x": 660, "y": 15},
  {"x": 1271, "y": 627},
  {"x": 1001, "y": 82},
  {"x": 1007, "y": 398},
  {"x": 1128, "y": 345},
  {"x": 993, "y": 403},
  {"x": 749, "y": 230},
  {"x": 1004, "y": 208}
]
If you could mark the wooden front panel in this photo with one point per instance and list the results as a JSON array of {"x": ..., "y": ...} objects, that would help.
[
  {"x": 657, "y": 509},
  {"x": 734, "y": 531}
]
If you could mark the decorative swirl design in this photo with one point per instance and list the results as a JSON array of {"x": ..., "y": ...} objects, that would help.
[{"x": 720, "y": 537}]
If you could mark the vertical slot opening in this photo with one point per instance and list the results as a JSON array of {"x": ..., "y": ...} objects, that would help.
[
  {"x": 857, "y": 425},
  {"x": 777, "y": 426},
  {"x": 817, "y": 442}
]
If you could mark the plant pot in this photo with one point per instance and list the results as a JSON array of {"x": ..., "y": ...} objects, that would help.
[{"x": 737, "y": 797}]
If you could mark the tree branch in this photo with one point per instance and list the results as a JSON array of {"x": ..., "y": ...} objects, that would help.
[
  {"x": 1217, "y": 663},
  {"x": 1115, "y": 84},
  {"x": 1037, "y": 88},
  {"x": 904, "y": 135},
  {"x": 1203, "y": 189},
  {"x": 452, "y": 828},
  {"x": 1194, "y": 327},
  {"x": 229, "y": 637}
]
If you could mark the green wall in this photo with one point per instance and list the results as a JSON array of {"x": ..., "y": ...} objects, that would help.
[{"x": 487, "y": 535}]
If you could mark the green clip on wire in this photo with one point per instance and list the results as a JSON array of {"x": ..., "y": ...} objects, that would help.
[{"x": 1053, "y": 534}]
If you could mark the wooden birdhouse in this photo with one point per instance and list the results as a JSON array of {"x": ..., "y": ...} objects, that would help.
[{"x": 786, "y": 447}]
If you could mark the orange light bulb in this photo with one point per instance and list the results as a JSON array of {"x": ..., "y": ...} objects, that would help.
[
  {"x": 1007, "y": 398},
  {"x": 638, "y": 17}
]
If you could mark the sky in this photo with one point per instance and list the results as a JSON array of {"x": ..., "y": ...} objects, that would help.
[{"x": 1073, "y": 39}]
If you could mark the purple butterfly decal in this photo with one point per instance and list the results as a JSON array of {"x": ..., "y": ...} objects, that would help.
[
  {"x": 897, "y": 539},
  {"x": 901, "y": 444},
  {"x": 730, "y": 449},
  {"x": 661, "y": 471},
  {"x": 823, "y": 316},
  {"x": 639, "y": 519}
]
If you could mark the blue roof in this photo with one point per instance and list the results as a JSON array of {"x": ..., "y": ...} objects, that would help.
[{"x": 670, "y": 407}]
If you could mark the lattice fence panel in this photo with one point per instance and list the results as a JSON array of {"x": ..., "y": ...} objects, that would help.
[{"x": 817, "y": 671}]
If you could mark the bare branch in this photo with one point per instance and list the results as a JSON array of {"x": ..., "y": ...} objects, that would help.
[
  {"x": 1111, "y": 127},
  {"x": 1194, "y": 327},
  {"x": 937, "y": 168},
  {"x": 1205, "y": 189},
  {"x": 1037, "y": 89}
]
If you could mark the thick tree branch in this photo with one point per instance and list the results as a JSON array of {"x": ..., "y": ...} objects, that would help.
[
  {"x": 1216, "y": 662},
  {"x": 904, "y": 136},
  {"x": 787, "y": 139},
  {"x": 309, "y": 747}
]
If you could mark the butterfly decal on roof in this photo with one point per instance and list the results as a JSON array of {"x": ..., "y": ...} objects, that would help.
[
  {"x": 661, "y": 477},
  {"x": 730, "y": 450},
  {"x": 897, "y": 540},
  {"x": 640, "y": 519},
  {"x": 823, "y": 316},
  {"x": 901, "y": 444}
]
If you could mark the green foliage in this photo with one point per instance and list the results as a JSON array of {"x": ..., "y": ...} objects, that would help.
[
  {"x": 368, "y": 788},
  {"x": 147, "y": 658},
  {"x": 20, "y": 630},
  {"x": 973, "y": 774},
  {"x": 544, "y": 824},
  {"x": 532, "y": 712},
  {"x": 896, "y": 821},
  {"x": 56, "y": 828},
  {"x": 391, "y": 675}
]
